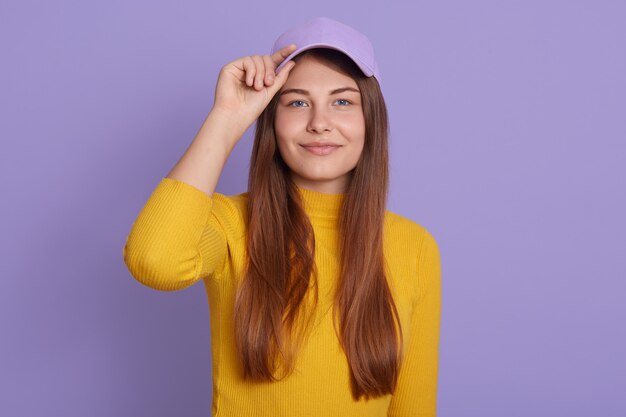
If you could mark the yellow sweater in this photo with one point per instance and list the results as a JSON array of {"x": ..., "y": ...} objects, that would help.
[{"x": 182, "y": 236}]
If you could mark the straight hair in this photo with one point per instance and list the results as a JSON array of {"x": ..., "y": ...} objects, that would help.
[{"x": 271, "y": 323}]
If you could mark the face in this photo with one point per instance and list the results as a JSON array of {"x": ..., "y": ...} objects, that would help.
[{"x": 320, "y": 126}]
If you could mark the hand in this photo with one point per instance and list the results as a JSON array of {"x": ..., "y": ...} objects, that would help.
[{"x": 246, "y": 86}]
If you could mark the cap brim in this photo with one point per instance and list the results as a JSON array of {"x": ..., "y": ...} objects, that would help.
[{"x": 367, "y": 71}]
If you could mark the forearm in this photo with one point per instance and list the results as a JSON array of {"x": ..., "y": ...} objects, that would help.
[{"x": 202, "y": 163}]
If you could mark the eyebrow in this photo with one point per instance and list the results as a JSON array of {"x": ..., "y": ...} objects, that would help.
[{"x": 306, "y": 92}]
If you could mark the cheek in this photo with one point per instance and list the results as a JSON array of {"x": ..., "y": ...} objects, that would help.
[
  {"x": 285, "y": 126},
  {"x": 284, "y": 146},
  {"x": 354, "y": 129},
  {"x": 280, "y": 143},
  {"x": 357, "y": 136}
]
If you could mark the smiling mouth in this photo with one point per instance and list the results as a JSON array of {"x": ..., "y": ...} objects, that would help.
[{"x": 321, "y": 150}]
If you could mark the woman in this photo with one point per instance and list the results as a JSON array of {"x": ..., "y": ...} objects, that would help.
[{"x": 322, "y": 302}]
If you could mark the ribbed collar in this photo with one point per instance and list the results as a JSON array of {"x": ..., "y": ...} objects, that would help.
[{"x": 323, "y": 206}]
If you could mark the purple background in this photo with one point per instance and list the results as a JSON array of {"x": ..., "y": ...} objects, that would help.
[{"x": 507, "y": 142}]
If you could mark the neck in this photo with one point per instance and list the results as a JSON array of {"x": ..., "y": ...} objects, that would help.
[{"x": 319, "y": 205}]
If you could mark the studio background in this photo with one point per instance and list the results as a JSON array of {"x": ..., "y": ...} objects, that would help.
[{"x": 507, "y": 144}]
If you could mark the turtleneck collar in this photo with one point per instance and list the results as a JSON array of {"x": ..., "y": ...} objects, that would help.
[{"x": 322, "y": 206}]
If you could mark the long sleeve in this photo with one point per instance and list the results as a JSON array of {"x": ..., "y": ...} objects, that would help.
[
  {"x": 182, "y": 236},
  {"x": 177, "y": 238},
  {"x": 416, "y": 392}
]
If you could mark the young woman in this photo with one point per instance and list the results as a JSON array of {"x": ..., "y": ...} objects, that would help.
[{"x": 322, "y": 302}]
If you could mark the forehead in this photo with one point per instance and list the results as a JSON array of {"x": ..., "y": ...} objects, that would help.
[{"x": 311, "y": 72}]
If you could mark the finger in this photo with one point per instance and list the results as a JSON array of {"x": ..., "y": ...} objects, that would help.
[
  {"x": 260, "y": 71},
  {"x": 250, "y": 70},
  {"x": 285, "y": 70},
  {"x": 283, "y": 53},
  {"x": 269, "y": 69},
  {"x": 281, "y": 77}
]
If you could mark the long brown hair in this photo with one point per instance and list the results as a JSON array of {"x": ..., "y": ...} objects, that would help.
[{"x": 281, "y": 270}]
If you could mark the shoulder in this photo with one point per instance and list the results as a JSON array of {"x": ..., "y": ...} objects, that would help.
[
  {"x": 410, "y": 238},
  {"x": 399, "y": 227}
]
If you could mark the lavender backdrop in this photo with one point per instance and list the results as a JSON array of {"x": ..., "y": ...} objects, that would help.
[{"x": 507, "y": 143}]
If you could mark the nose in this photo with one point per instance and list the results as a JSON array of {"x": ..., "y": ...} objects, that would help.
[{"x": 320, "y": 121}]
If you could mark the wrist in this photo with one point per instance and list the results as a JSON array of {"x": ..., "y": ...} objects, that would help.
[{"x": 225, "y": 124}]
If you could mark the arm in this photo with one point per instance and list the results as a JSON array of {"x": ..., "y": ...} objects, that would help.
[
  {"x": 176, "y": 240},
  {"x": 202, "y": 163},
  {"x": 416, "y": 392},
  {"x": 178, "y": 237}
]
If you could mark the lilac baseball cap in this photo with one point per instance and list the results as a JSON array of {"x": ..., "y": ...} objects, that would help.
[{"x": 323, "y": 32}]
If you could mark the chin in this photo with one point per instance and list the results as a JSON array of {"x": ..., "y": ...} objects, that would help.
[{"x": 320, "y": 176}]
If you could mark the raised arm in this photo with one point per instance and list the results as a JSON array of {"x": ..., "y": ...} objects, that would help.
[
  {"x": 178, "y": 237},
  {"x": 241, "y": 95},
  {"x": 416, "y": 392}
]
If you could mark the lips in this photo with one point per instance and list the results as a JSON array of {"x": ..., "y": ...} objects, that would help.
[
  {"x": 320, "y": 144},
  {"x": 320, "y": 148}
]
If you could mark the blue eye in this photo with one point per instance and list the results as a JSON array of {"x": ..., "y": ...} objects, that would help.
[{"x": 347, "y": 102}]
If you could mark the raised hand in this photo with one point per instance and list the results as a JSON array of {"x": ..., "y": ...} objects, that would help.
[{"x": 246, "y": 86}]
